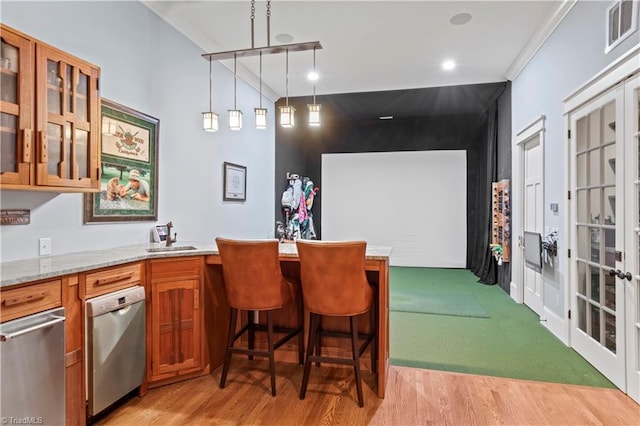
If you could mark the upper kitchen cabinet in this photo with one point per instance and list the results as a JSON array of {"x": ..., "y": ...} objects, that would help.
[{"x": 50, "y": 112}]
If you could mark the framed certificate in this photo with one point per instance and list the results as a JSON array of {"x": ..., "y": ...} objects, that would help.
[{"x": 235, "y": 182}]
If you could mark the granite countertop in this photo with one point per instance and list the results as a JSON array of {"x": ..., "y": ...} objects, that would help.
[{"x": 22, "y": 271}]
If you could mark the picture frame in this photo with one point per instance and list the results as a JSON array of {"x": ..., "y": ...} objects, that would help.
[
  {"x": 128, "y": 167},
  {"x": 234, "y": 182}
]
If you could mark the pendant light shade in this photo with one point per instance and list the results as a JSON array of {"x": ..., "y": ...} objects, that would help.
[
  {"x": 287, "y": 116},
  {"x": 210, "y": 121},
  {"x": 287, "y": 113},
  {"x": 261, "y": 118},
  {"x": 235, "y": 115},
  {"x": 210, "y": 118},
  {"x": 314, "y": 114}
]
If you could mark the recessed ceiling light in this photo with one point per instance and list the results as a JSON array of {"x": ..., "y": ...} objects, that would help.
[
  {"x": 448, "y": 65},
  {"x": 386, "y": 117},
  {"x": 460, "y": 19},
  {"x": 313, "y": 76},
  {"x": 284, "y": 38}
]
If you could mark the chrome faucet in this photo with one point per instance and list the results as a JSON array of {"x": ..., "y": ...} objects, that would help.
[{"x": 170, "y": 240}]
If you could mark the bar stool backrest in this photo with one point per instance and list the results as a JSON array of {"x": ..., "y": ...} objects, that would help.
[
  {"x": 252, "y": 276},
  {"x": 334, "y": 281}
]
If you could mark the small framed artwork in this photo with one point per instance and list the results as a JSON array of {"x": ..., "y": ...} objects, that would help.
[
  {"x": 235, "y": 182},
  {"x": 129, "y": 167}
]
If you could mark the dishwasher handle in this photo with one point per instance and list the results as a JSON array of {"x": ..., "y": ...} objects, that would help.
[{"x": 8, "y": 336}]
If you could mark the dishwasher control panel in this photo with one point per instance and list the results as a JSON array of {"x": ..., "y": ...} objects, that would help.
[{"x": 114, "y": 301}]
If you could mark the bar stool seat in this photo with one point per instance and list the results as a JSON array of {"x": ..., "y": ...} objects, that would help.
[
  {"x": 253, "y": 282},
  {"x": 334, "y": 283}
]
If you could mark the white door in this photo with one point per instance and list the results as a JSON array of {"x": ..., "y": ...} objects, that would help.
[
  {"x": 630, "y": 267},
  {"x": 533, "y": 216},
  {"x": 598, "y": 234}
]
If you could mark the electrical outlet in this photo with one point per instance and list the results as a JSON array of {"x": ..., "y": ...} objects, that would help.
[{"x": 45, "y": 246}]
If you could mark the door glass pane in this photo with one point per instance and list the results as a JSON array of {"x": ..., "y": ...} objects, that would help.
[
  {"x": 583, "y": 242},
  {"x": 54, "y": 149},
  {"x": 581, "y": 170},
  {"x": 582, "y": 206},
  {"x": 69, "y": 89},
  {"x": 610, "y": 247},
  {"x": 9, "y": 62},
  {"x": 594, "y": 206},
  {"x": 82, "y": 101},
  {"x": 610, "y": 291},
  {"x": 609, "y": 205},
  {"x": 582, "y": 314},
  {"x": 609, "y": 125},
  {"x": 610, "y": 331},
  {"x": 582, "y": 278},
  {"x": 54, "y": 88},
  {"x": 81, "y": 152},
  {"x": 595, "y": 322},
  {"x": 609, "y": 165},
  {"x": 594, "y": 167},
  {"x": 595, "y": 283},
  {"x": 581, "y": 137},
  {"x": 8, "y": 142},
  {"x": 595, "y": 245},
  {"x": 65, "y": 168},
  {"x": 594, "y": 129}
]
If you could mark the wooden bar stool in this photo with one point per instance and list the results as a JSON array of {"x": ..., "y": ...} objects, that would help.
[
  {"x": 334, "y": 283},
  {"x": 253, "y": 282}
]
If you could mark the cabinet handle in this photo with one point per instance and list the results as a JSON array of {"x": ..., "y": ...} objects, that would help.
[
  {"x": 25, "y": 299},
  {"x": 114, "y": 278},
  {"x": 26, "y": 145},
  {"x": 44, "y": 156}
]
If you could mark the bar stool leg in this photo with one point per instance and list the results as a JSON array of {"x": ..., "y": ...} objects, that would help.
[
  {"x": 272, "y": 363},
  {"x": 313, "y": 331},
  {"x": 356, "y": 358},
  {"x": 373, "y": 345},
  {"x": 230, "y": 338},
  {"x": 301, "y": 332},
  {"x": 251, "y": 331}
]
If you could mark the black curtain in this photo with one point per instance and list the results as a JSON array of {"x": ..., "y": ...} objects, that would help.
[{"x": 481, "y": 260}]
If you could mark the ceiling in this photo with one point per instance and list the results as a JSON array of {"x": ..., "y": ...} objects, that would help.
[{"x": 369, "y": 45}]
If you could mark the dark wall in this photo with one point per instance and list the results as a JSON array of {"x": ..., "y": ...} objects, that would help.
[
  {"x": 451, "y": 118},
  {"x": 504, "y": 168}
]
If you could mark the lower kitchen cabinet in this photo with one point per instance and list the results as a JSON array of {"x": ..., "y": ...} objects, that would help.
[{"x": 174, "y": 319}]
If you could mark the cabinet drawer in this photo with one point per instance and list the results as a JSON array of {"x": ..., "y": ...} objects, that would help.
[
  {"x": 111, "y": 279},
  {"x": 176, "y": 268},
  {"x": 23, "y": 301}
]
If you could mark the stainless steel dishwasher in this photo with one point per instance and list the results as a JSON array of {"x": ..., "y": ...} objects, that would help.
[
  {"x": 32, "y": 369},
  {"x": 115, "y": 346}
]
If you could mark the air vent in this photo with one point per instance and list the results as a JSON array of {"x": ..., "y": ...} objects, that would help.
[{"x": 622, "y": 21}]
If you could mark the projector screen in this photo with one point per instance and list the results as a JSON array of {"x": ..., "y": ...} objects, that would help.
[{"x": 414, "y": 202}]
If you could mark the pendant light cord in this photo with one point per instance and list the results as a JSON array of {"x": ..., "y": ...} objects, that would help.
[
  {"x": 234, "y": 81},
  {"x": 210, "y": 85},
  {"x": 287, "y": 79},
  {"x": 314, "y": 72},
  {"x": 260, "y": 80}
]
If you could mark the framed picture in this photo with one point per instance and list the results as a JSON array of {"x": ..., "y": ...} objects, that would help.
[
  {"x": 129, "y": 167},
  {"x": 235, "y": 182}
]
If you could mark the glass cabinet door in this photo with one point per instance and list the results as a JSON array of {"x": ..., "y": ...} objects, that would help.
[
  {"x": 16, "y": 105},
  {"x": 67, "y": 93}
]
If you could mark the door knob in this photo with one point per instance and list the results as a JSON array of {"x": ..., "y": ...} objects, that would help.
[{"x": 620, "y": 274}]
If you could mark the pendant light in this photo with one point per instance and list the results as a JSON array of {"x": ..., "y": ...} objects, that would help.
[
  {"x": 261, "y": 113},
  {"x": 314, "y": 108},
  {"x": 287, "y": 113},
  {"x": 235, "y": 115},
  {"x": 210, "y": 118}
]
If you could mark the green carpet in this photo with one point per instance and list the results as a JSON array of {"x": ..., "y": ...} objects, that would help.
[
  {"x": 429, "y": 302},
  {"x": 510, "y": 343}
]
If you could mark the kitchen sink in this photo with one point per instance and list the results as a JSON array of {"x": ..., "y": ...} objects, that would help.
[{"x": 170, "y": 248}]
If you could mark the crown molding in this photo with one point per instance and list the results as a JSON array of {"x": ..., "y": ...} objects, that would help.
[{"x": 539, "y": 37}]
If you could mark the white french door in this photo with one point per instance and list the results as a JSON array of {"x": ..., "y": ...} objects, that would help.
[
  {"x": 605, "y": 229},
  {"x": 533, "y": 217},
  {"x": 630, "y": 269}
]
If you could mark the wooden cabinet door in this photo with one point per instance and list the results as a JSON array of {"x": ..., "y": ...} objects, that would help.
[
  {"x": 176, "y": 329},
  {"x": 67, "y": 120},
  {"x": 16, "y": 107}
]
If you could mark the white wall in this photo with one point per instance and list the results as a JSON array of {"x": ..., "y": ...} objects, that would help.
[
  {"x": 572, "y": 55},
  {"x": 150, "y": 67}
]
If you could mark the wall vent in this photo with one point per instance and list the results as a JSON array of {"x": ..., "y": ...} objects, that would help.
[{"x": 622, "y": 21}]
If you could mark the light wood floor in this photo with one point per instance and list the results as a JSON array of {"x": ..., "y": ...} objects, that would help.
[{"x": 413, "y": 397}]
